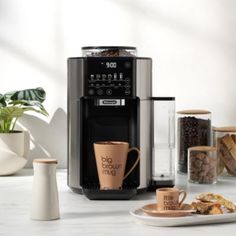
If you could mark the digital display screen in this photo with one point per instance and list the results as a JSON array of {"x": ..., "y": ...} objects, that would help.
[
  {"x": 109, "y": 64},
  {"x": 109, "y": 77}
]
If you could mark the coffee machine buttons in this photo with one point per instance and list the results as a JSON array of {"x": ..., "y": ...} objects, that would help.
[
  {"x": 108, "y": 91},
  {"x": 99, "y": 91},
  {"x": 127, "y": 64},
  {"x": 91, "y": 91},
  {"x": 107, "y": 85},
  {"x": 109, "y": 81},
  {"x": 127, "y": 92}
]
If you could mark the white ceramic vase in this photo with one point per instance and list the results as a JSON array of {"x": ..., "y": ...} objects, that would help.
[
  {"x": 14, "y": 148},
  {"x": 45, "y": 204}
]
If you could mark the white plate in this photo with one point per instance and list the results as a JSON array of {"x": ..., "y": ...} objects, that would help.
[{"x": 181, "y": 221}]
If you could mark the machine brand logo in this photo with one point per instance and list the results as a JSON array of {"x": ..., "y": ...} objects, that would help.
[
  {"x": 109, "y": 168},
  {"x": 110, "y": 102}
]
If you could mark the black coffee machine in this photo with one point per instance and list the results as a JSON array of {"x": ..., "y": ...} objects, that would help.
[{"x": 109, "y": 98}]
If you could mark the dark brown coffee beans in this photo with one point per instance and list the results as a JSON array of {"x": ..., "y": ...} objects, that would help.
[
  {"x": 112, "y": 53},
  {"x": 192, "y": 131}
]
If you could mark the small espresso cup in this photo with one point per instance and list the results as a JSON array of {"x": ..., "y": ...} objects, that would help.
[
  {"x": 111, "y": 157},
  {"x": 169, "y": 198}
]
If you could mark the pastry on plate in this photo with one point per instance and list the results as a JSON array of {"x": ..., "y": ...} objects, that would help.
[
  {"x": 207, "y": 208},
  {"x": 217, "y": 198}
]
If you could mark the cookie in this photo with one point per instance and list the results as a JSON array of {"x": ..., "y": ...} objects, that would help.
[
  {"x": 216, "y": 198},
  {"x": 207, "y": 208}
]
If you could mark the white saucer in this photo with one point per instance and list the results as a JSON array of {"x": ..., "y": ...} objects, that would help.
[
  {"x": 151, "y": 209},
  {"x": 143, "y": 218}
]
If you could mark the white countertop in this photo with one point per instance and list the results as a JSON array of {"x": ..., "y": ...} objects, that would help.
[{"x": 80, "y": 216}]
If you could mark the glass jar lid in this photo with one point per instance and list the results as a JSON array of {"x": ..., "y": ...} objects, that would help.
[
  {"x": 225, "y": 129},
  {"x": 203, "y": 148},
  {"x": 193, "y": 112}
]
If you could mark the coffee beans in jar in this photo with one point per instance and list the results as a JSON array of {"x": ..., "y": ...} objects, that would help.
[
  {"x": 109, "y": 51},
  {"x": 193, "y": 129},
  {"x": 202, "y": 165}
]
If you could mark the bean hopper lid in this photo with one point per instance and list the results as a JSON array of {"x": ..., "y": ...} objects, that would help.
[{"x": 109, "y": 51}]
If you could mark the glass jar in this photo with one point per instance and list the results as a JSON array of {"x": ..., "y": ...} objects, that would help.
[
  {"x": 163, "y": 146},
  {"x": 202, "y": 165},
  {"x": 109, "y": 51},
  {"x": 193, "y": 129},
  {"x": 225, "y": 141}
]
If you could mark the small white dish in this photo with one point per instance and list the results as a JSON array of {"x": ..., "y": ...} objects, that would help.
[{"x": 195, "y": 219}]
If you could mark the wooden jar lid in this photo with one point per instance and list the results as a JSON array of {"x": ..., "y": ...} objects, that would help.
[
  {"x": 46, "y": 161},
  {"x": 193, "y": 112},
  {"x": 203, "y": 148},
  {"x": 225, "y": 129}
]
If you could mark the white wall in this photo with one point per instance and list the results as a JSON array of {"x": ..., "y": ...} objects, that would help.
[{"x": 192, "y": 43}]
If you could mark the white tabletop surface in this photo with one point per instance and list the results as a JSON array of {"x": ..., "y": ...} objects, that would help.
[{"x": 80, "y": 216}]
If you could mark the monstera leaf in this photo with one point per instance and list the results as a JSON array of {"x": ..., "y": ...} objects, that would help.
[
  {"x": 28, "y": 104},
  {"x": 37, "y": 94}
]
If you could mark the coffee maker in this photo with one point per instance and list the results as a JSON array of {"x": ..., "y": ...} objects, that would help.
[{"x": 109, "y": 98}]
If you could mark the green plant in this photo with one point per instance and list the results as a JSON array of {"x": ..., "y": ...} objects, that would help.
[{"x": 14, "y": 104}]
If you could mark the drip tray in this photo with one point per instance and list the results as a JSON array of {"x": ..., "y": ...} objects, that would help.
[{"x": 93, "y": 192}]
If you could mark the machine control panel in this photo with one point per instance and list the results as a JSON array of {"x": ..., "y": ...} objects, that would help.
[{"x": 110, "y": 77}]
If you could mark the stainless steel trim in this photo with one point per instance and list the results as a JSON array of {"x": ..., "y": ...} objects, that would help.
[
  {"x": 144, "y": 78},
  {"x": 145, "y": 143},
  {"x": 111, "y": 102},
  {"x": 144, "y": 92},
  {"x": 75, "y": 78},
  {"x": 75, "y": 91}
]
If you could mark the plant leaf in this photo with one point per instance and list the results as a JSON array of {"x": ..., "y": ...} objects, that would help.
[
  {"x": 8, "y": 113},
  {"x": 37, "y": 94},
  {"x": 30, "y": 103},
  {"x": 2, "y": 101},
  {"x": 43, "y": 112}
]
